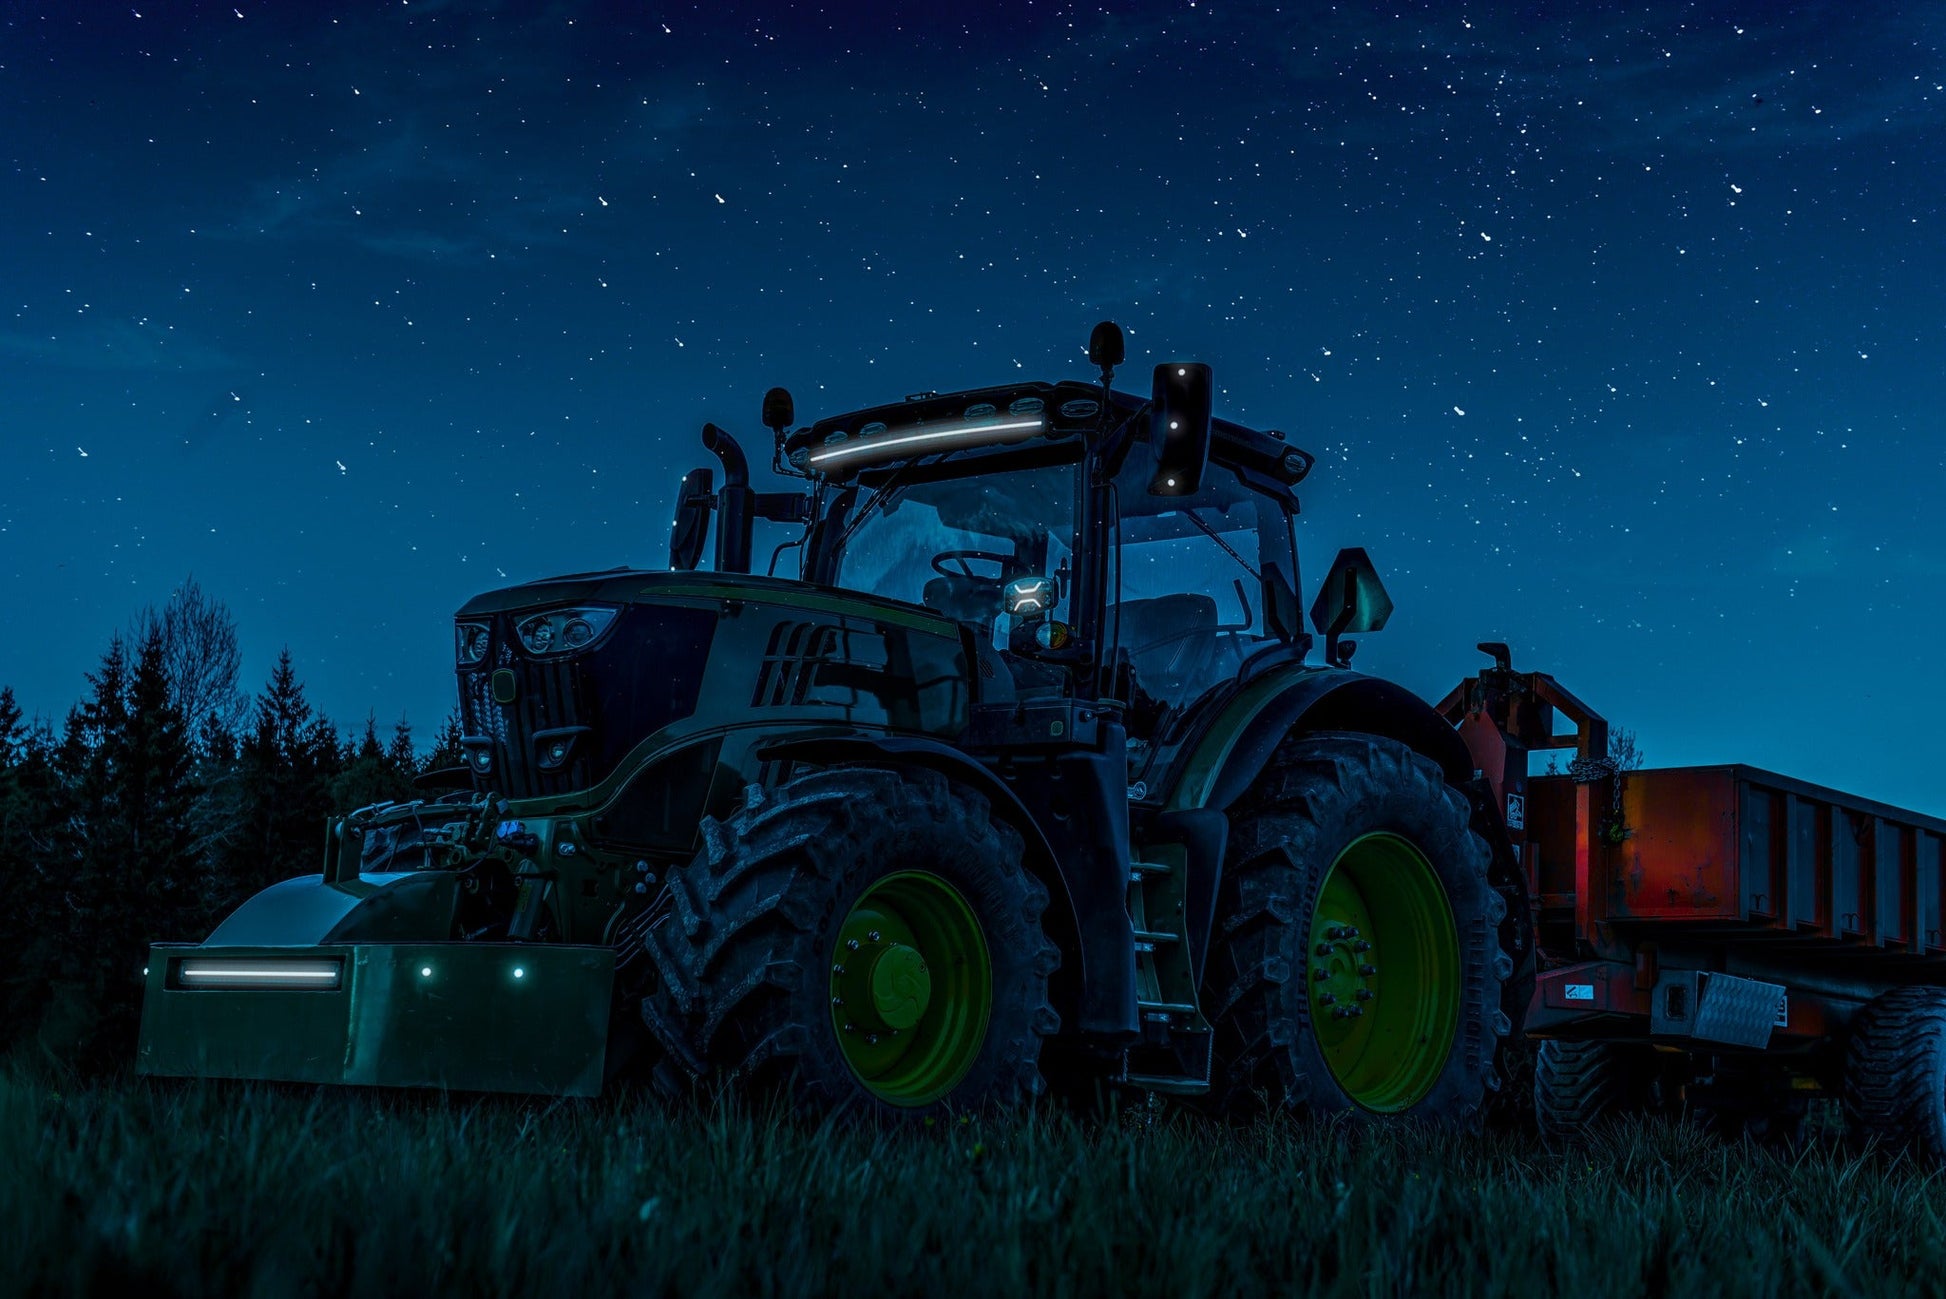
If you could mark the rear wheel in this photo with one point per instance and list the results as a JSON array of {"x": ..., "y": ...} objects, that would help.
[
  {"x": 1895, "y": 1073},
  {"x": 1356, "y": 965},
  {"x": 866, "y": 939}
]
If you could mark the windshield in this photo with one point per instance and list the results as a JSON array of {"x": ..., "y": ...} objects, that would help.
[
  {"x": 1196, "y": 576},
  {"x": 952, "y": 544}
]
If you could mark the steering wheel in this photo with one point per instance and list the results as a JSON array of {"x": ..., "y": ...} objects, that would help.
[{"x": 965, "y": 558}]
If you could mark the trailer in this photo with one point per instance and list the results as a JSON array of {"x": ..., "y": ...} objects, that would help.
[{"x": 1721, "y": 941}]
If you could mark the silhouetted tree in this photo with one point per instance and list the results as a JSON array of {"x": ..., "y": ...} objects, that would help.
[
  {"x": 446, "y": 748},
  {"x": 286, "y": 765},
  {"x": 129, "y": 874}
]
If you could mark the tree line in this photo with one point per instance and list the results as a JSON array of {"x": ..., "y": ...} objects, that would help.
[{"x": 163, "y": 800}]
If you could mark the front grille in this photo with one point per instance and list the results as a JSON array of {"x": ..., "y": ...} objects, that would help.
[{"x": 644, "y": 674}]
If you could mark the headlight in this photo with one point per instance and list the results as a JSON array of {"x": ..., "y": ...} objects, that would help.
[
  {"x": 472, "y": 637},
  {"x": 564, "y": 630}
]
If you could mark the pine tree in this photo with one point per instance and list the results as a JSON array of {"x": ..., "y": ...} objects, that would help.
[
  {"x": 286, "y": 765},
  {"x": 447, "y": 751},
  {"x": 371, "y": 775},
  {"x": 130, "y": 877},
  {"x": 400, "y": 755}
]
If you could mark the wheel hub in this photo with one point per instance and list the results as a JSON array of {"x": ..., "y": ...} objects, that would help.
[
  {"x": 1384, "y": 973},
  {"x": 911, "y": 988}
]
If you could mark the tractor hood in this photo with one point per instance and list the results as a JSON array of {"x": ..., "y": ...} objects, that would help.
[{"x": 562, "y": 679}]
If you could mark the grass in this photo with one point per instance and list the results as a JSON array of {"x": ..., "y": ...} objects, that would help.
[{"x": 156, "y": 1190}]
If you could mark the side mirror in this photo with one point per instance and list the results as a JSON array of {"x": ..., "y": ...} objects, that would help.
[
  {"x": 1180, "y": 430},
  {"x": 1352, "y": 599},
  {"x": 694, "y": 500}
]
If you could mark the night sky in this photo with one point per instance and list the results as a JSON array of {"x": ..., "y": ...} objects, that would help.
[{"x": 1618, "y": 332}]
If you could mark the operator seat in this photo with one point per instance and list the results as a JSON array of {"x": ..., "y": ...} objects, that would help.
[
  {"x": 1185, "y": 625},
  {"x": 975, "y": 603}
]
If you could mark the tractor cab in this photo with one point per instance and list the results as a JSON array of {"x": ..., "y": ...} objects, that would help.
[{"x": 1087, "y": 555}]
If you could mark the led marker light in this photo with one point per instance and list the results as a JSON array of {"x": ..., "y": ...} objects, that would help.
[
  {"x": 943, "y": 437},
  {"x": 257, "y": 972}
]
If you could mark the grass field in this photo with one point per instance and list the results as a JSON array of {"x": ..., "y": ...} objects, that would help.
[{"x": 154, "y": 1190}]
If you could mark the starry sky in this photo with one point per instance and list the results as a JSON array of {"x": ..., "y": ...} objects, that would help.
[{"x": 1617, "y": 329}]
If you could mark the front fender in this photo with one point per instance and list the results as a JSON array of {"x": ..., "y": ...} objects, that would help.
[{"x": 1094, "y": 954}]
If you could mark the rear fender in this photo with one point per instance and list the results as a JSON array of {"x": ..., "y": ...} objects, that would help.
[
  {"x": 1089, "y": 960},
  {"x": 1238, "y": 741}
]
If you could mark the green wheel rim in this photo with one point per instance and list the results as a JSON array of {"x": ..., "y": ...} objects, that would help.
[
  {"x": 911, "y": 988},
  {"x": 1385, "y": 973}
]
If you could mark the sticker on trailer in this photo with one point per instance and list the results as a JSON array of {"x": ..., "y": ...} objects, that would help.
[
  {"x": 1579, "y": 991},
  {"x": 1516, "y": 812},
  {"x": 1783, "y": 1019}
]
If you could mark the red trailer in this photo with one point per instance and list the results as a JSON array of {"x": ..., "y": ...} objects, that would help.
[{"x": 1721, "y": 940}]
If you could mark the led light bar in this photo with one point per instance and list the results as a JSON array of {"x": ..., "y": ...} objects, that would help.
[
  {"x": 939, "y": 437},
  {"x": 257, "y": 972}
]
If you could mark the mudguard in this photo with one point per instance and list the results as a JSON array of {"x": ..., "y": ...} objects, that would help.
[
  {"x": 1096, "y": 941},
  {"x": 1216, "y": 766}
]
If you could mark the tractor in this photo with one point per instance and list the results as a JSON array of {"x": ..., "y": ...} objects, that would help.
[{"x": 1030, "y": 778}]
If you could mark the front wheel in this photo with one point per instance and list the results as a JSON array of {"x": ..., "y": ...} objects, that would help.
[
  {"x": 1356, "y": 966},
  {"x": 866, "y": 939}
]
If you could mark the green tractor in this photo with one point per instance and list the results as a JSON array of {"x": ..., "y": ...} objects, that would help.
[{"x": 1029, "y": 777}]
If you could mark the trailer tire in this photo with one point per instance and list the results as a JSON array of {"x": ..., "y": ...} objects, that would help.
[
  {"x": 1341, "y": 824},
  {"x": 754, "y": 986},
  {"x": 1577, "y": 1084},
  {"x": 1895, "y": 1073}
]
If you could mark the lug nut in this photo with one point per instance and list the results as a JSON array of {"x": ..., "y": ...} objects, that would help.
[
  {"x": 1353, "y": 1012},
  {"x": 850, "y": 1029},
  {"x": 1361, "y": 946},
  {"x": 1328, "y": 998},
  {"x": 1324, "y": 949},
  {"x": 1351, "y": 931},
  {"x": 1364, "y": 994},
  {"x": 1320, "y": 974},
  {"x": 871, "y": 1039},
  {"x": 641, "y": 868},
  {"x": 872, "y": 936},
  {"x": 851, "y": 944},
  {"x": 1368, "y": 970},
  {"x": 641, "y": 888},
  {"x": 837, "y": 1001},
  {"x": 837, "y": 969},
  {"x": 1335, "y": 931}
]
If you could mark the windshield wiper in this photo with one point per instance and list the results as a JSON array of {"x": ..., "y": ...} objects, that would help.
[
  {"x": 1211, "y": 534},
  {"x": 884, "y": 493}
]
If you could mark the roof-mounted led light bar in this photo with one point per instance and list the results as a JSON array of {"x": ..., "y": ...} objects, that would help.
[
  {"x": 912, "y": 441},
  {"x": 258, "y": 972}
]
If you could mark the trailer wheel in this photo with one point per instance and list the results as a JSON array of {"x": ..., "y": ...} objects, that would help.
[
  {"x": 1355, "y": 965},
  {"x": 863, "y": 939},
  {"x": 1895, "y": 1073},
  {"x": 1577, "y": 1084}
]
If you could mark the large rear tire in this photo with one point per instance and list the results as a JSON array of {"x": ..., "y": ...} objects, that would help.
[
  {"x": 865, "y": 940},
  {"x": 1356, "y": 966},
  {"x": 1895, "y": 1073}
]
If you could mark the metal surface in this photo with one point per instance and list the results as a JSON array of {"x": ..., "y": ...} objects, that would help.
[
  {"x": 1713, "y": 1007},
  {"x": 457, "y": 1016},
  {"x": 1741, "y": 848}
]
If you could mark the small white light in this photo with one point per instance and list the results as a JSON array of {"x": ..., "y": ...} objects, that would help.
[
  {"x": 145, "y": 971},
  {"x": 1180, "y": 371},
  {"x": 519, "y": 973},
  {"x": 425, "y": 971},
  {"x": 1169, "y": 482}
]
